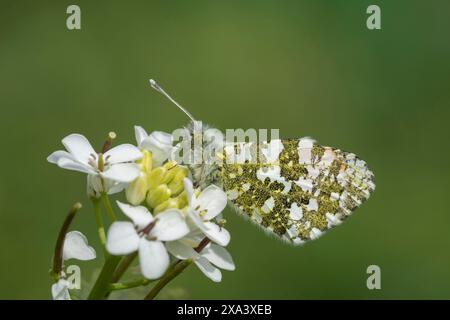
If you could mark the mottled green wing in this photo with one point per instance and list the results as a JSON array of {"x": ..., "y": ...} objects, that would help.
[{"x": 295, "y": 188}]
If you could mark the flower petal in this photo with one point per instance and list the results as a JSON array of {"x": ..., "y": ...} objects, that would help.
[
  {"x": 93, "y": 185},
  {"x": 122, "y": 172},
  {"x": 113, "y": 187},
  {"x": 195, "y": 220},
  {"x": 217, "y": 234},
  {"x": 219, "y": 256},
  {"x": 213, "y": 200},
  {"x": 153, "y": 258},
  {"x": 140, "y": 134},
  {"x": 214, "y": 232},
  {"x": 193, "y": 238},
  {"x": 60, "y": 290},
  {"x": 76, "y": 247},
  {"x": 140, "y": 215},
  {"x": 55, "y": 156},
  {"x": 123, "y": 153},
  {"x": 208, "y": 269},
  {"x": 160, "y": 144},
  {"x": 158, "y": 140},
  {"x": 181, "y": 251},
  {"x": 170, "y": 226},
  {"x": 162, "y": 139},
  {"x": 79, "y": 147},
  {"x": 122, "y": 238},
  {"x": 189, "y": 188},
  {"x": 70, "y": 164}
]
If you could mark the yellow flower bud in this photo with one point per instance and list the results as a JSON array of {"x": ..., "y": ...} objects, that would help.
[
  {"x": 160, "y": 208},
  {"x": 168, "y": 204},
  {"x": 170, "y": 164},
  {"x": 171, "y": 167},
  {"x": 158, "y": 195},
  {"x": 165, "y": 187},
  {"x": 182, "y": 200},
  {"x": 156, "y": 176},
  {"x": 176, "y": 184},
  {"x": 181, "y": 170},
  {"x": 137, "y": 190},
  {"x": 145, "y": 164}
]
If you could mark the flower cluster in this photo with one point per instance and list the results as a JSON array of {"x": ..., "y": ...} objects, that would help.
[{"x": 170, "y": 223}]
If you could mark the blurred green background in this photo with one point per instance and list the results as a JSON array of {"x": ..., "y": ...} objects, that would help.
[{"x": 306, "y": 67}]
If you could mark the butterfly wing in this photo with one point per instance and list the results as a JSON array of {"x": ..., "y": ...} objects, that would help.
[{"x": 296, "y": 189}]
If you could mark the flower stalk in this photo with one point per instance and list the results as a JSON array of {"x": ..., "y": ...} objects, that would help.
[
  {"x": 101, "y": 287},
  {"x": 176, "y": 270},
  {"x": 99, "y": 221},
  {"x": 58, "y": 256},
  {"x": 129, "y": 284},
  {"x": 123, "y": 266},
  {"x": 108, "y": 207}
]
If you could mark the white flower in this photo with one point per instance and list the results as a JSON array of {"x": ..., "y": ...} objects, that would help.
[
  {"x": 202, "y": 209},
  {"x": 158, "y": 142},
  {"x": 75, "y": 247},
  {"x": 115, "y": 167},
  {"x": 207, "y": 260},
  {"x": 146, "y": 235},
  {"x": 60, "y": 290}
]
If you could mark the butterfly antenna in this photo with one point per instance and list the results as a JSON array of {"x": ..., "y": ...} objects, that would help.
[{"x": 161, "y": 90}]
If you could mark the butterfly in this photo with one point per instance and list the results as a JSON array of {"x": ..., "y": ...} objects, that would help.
[{"x": 294, "y": 189}]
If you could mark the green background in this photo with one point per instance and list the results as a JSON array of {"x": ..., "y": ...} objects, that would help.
[{"x": 305, "y": 67}]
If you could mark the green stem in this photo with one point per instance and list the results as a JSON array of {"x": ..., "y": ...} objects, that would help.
[
  {"x": 102, "y": 285},
  {"x": 123, "y": 266},
  {"x": 174, "y": 271},
  {"x": 169, "y": 276},
  {"x": 121, "y": 269},
  {"x": 98, "y": 220},
  {"x": 129, "y": 285},
  {"x": 108, "y": 207}
]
